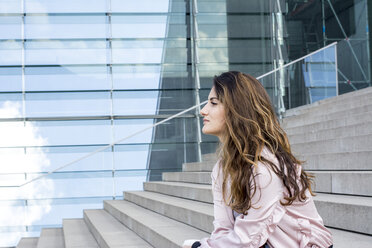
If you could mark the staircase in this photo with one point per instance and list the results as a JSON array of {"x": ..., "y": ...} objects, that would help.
[{"x": 334, "y": 136}]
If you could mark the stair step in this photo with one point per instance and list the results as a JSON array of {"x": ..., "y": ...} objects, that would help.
[
  {"x": 348, "y": 144},
  {"x": 51, "y": 238},
  {"x": 325, "y": 134},
  {"x": 77, "y": 234},
  {"x": 198, "y": 166},
  {"x": 349, "y": 207},
  {"x": 352, "y": 213},
  {"x": 313, "y": 117},
  {"x": 344, "y": 239},
  {"x": 188, "y": 177},
  {"x": 109, "y": 232},
  {"x": 349, "y": 120},
  {"x": 158, "y": 230},
  {"x": 348, "y": 100},
  {"x": 197, "y": 192},
  {"x": 338, "y": 161},
  {"x": 28, "y": 243},
  {"x": 197, "y": 214},
  {"x": 335, "y": 181}
]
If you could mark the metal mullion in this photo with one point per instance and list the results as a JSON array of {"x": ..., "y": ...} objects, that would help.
[
  {"x": 23, "y": 88},
  {"x": 109, "y": 15},
  {"x": 336, "y": 65},
  {"x": 195, "y": 61},
  {"x": 324, "y": 25},
  {"x": 367, "y": 44}
]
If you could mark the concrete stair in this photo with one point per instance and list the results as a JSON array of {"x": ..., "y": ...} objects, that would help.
[
  {"x": 51, "y": 238},
  {"x": 28, "y": 243},
  {"x": 157, "y": 229},
  {"x": 109, "y": 232},
  {"x": 334, "y": 136},
  {"x": 77, "y": 234}
]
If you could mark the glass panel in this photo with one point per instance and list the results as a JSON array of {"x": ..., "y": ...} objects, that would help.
[
  {"x": 124, "y": 128},
  {"x": 132, "y": 52},
  {"x": 177, "y": 76},
  {"x": 129, "y": 181},
  {"x": 11, "y": 106},
  {"x": 309, "y": 80},
  {"x": 170, "y": 157},
  {"x": 136, "y": 157},
  {"x": 170, "y": 76},
  {"x": 135, "y": 103},
  {"x": 136, "y": 77},
  {"x": 66, "y": 52},
  {"x": 10, "y": 6},
  {"x": 151, "y": 102},
  {"x": 66, "y": 6},
  {"x": 353, "y": 65},
  {"x": 217, "y": 54},
  {"x": 23, "y": 161},
  {"x": 52, "y": 133},
  {"x": 16, "y": 134},
  {"x": 52, "y": 212},
  {"x": 150, "y": 51},
  {"x": 67, "y": 78},
  {"x": 216, "y": 6},
  {"x": 64, "y": 184},
  {"x": 249, "y": 51},
  {"x": 10, "y": 79},
  {"x": 10, "y": 52},
  {"x": 63, "y": 27},
  {"x": 60, "y": 156},
  {"x": 131, "y": 157},
  {"x": 139, "y": 6},
  {"x": 68, "y": 104},
  {"x": 139, "y": 26},
  {"x": 12, "y": 159},
  {"x": 11, "y": 27},
  {"x": 249, "y": 26},
  {"x": 175, "y": 130}
]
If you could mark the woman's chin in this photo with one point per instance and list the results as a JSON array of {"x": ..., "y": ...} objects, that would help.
[{"x": 207, "y": 132}]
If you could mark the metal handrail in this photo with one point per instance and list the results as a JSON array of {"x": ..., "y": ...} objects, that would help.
[{"x": 158, "y": 123}]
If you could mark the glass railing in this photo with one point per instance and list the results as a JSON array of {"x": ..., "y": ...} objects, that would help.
[{"x": 304, "y": 81}]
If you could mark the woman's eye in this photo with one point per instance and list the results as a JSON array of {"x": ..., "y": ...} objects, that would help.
[{"x": 213, "y": 103}]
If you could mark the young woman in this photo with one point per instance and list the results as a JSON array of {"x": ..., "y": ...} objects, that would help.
[{"x": 262, "y": 197}]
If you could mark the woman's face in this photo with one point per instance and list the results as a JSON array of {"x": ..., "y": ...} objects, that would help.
[{"x": 214, "y": 116}]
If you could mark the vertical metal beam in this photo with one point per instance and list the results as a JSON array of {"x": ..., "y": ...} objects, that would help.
[
  {"x": 369, "y": 37},
  {"x": 109, "y": 39},
  {"x": 280, "y": 43},
  {"x": 324, "y": 25},
  {"x": 195, "y": 60},
  {"x": 336, "y": 66},
  {"x": 23, "y": 11}
]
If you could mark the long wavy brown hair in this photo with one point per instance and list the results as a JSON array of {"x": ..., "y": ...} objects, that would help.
[{"x": 251, "y": 125}]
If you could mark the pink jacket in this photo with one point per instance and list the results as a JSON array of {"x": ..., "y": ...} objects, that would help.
[{"x": 296, "y": 225}]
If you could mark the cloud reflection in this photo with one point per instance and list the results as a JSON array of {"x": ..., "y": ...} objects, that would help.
[{"x": 17, "y": 167}]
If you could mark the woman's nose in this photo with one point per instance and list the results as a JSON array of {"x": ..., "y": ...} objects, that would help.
[{"x": 203, "y": 111}]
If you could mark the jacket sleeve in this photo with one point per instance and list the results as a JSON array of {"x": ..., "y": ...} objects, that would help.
[{"x": 253, "y": 229}]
